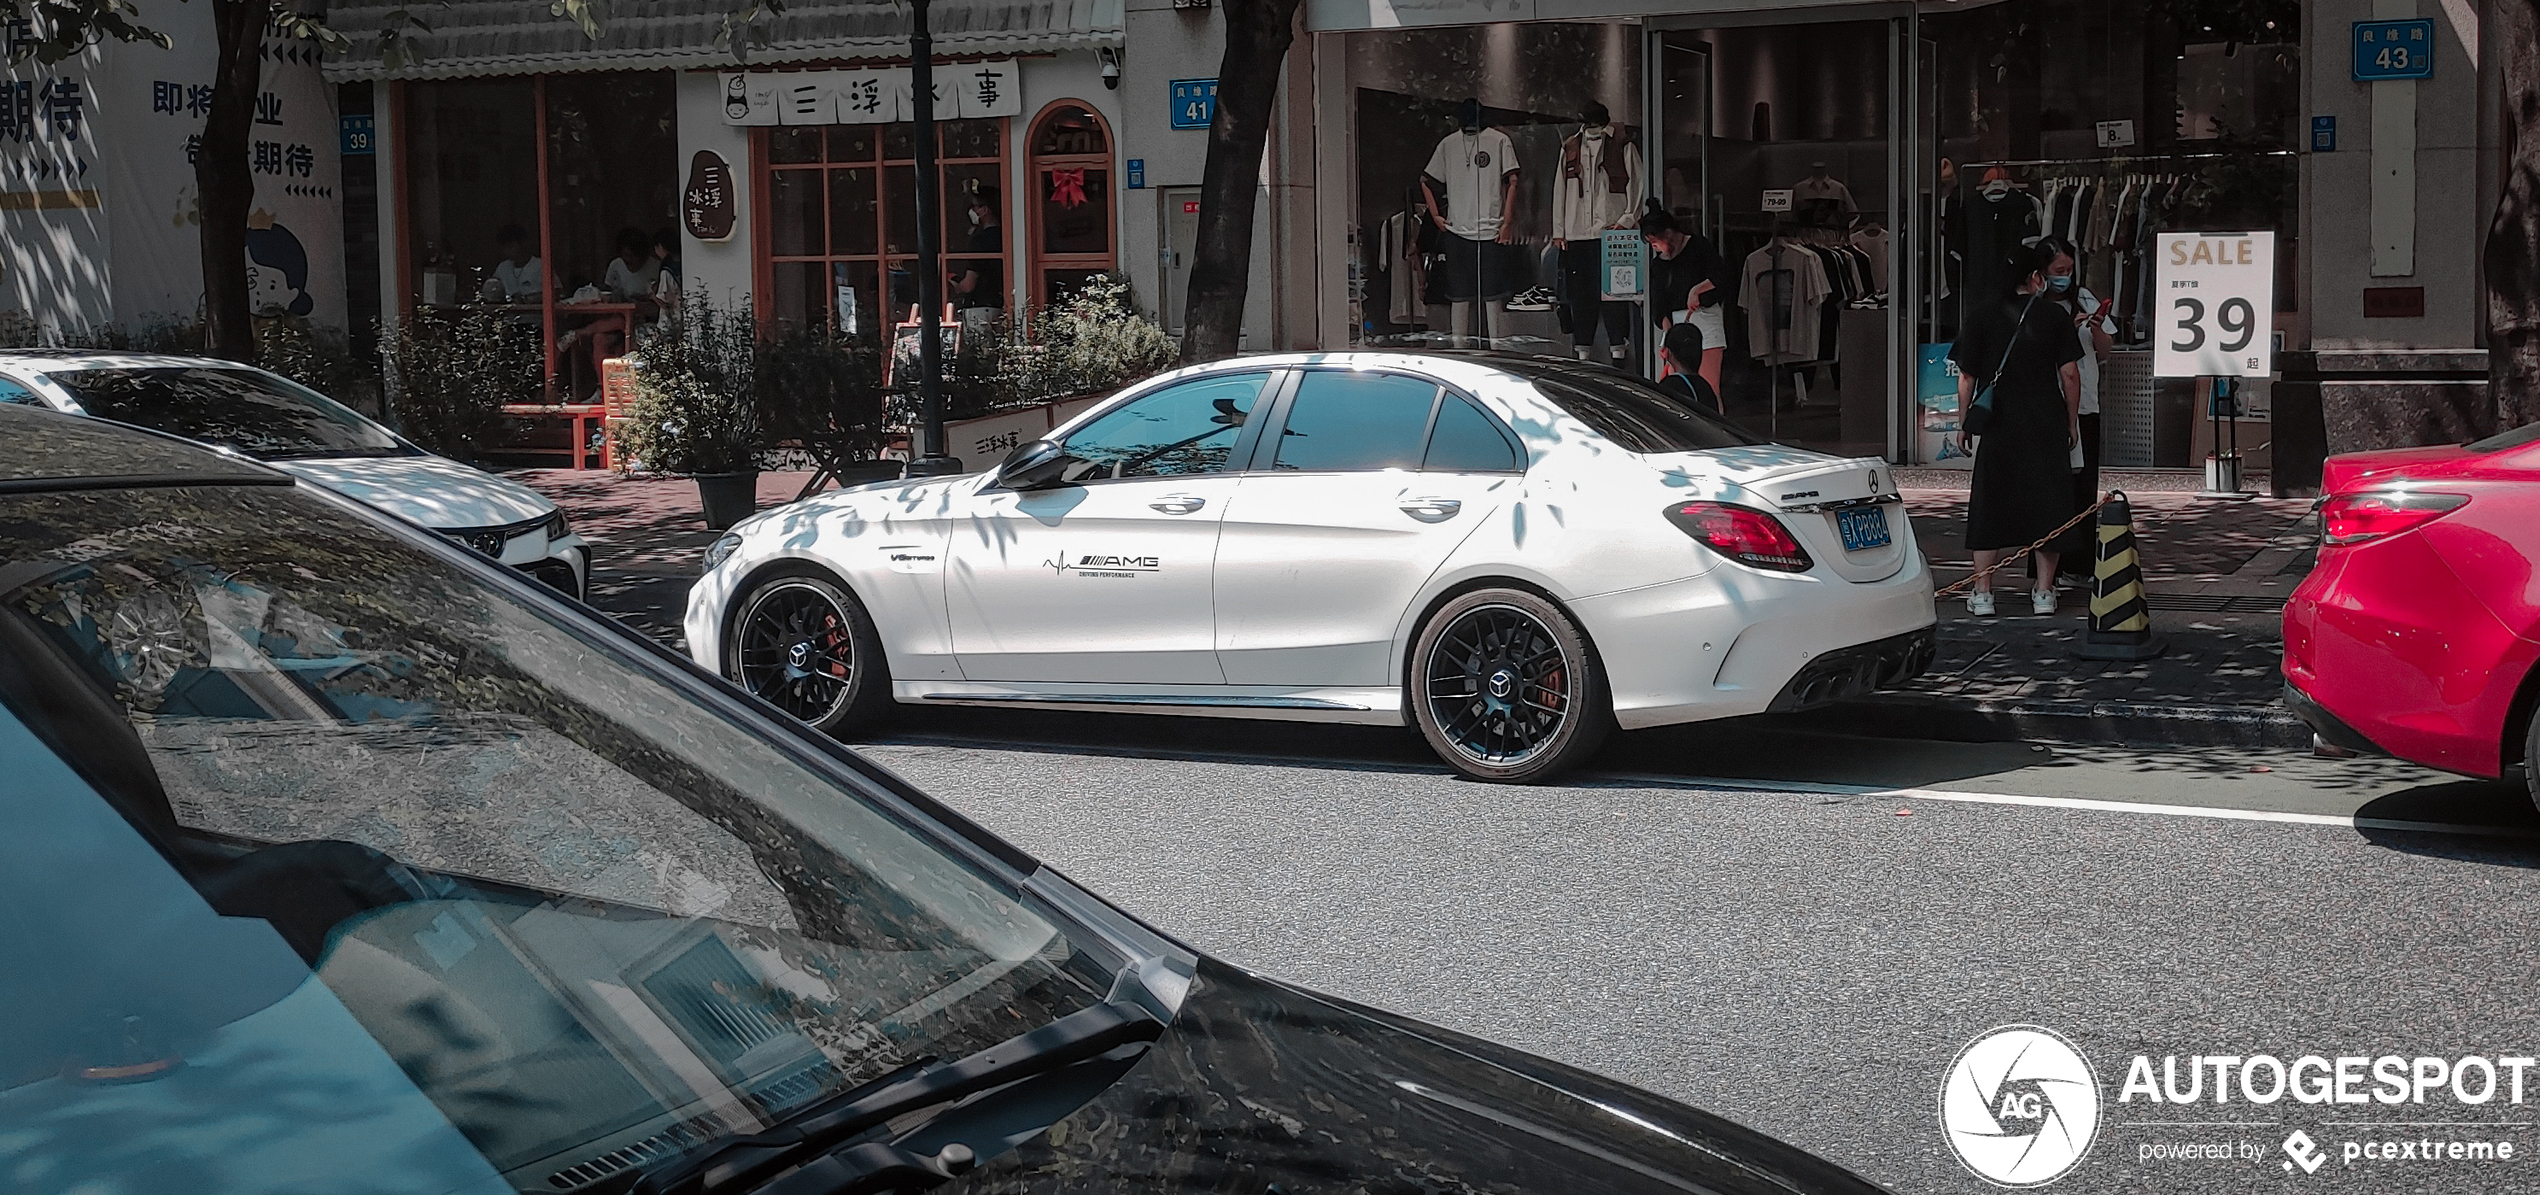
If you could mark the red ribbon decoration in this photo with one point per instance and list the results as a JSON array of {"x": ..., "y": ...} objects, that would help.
[{"x": 1067, "y": 187}]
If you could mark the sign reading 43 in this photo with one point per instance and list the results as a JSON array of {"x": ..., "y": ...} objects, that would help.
[{"x": 2214, "y": 305}]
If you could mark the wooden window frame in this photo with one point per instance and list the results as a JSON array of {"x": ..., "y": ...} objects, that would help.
[
  {"x": 763, "y": 169},
  {"x": 1041, "y": 261}
]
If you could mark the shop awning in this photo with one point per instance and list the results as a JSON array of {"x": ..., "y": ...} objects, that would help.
[{"x": 513, "y": 38}]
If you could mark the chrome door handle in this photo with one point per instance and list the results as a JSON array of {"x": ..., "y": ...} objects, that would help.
[
  {"x": 1431, "y": 510},
  {"x": 1178, "y": 504}
]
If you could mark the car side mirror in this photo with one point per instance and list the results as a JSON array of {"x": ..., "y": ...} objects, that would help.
[{"x": 1033, "y": 465}]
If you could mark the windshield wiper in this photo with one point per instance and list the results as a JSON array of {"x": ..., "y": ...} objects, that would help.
[{"x": 743, "y": 1162}]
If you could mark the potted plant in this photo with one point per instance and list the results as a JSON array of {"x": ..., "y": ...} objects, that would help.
[{"x": 696, "y": 411}]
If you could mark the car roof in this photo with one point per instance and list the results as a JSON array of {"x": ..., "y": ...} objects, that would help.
[
  {"x": 49, "y": 450},
  {"x": 1450, "y": 364},
  {"x": 74, "y": 358}
]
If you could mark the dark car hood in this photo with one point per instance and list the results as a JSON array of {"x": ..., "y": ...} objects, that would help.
[{"x": 1261, "y": 1087}]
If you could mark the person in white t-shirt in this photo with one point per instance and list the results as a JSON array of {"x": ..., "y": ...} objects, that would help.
[
  {"x": 1469, "y": 186},
  {"x": 519, "y": 276}
]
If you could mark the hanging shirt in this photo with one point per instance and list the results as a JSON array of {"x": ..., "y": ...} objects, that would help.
[
  {"x": 1872, "y": 242},
  {"x": 1470, "y": 166},
  {"x": 1598, "y": 187},
  {"x": 1785, "y": 289},
  {"x": 1813, "y": 189},
  {"x": 1994, "y": 228}
]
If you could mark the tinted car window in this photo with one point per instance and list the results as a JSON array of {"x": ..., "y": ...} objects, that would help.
[
  {"x": 525, "y": 869},
  {"x": 1355, "y": 422},
  {"x": 1635, "y": 415},
  {"x": 1468, "y": 441},
  {"x": 12, "y": 391},
  {"x": 1189, "y": 428},
  {"x": 258, "y": 414},
  {"x": 2501, "y": 441}
]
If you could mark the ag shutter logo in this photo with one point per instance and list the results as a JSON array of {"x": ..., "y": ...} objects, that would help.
[{"x": 2020, "y": 1106}]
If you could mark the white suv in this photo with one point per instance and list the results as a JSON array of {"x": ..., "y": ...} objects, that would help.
[{"x": 250, "y": 412}]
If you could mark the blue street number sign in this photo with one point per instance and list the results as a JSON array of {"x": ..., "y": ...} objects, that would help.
[
  {"x": 2394, "y": 50},
  {"x": 1194, "y": 103},
  {"x": 1137, "y": 174},
  {"x": 354, "y": 136}
]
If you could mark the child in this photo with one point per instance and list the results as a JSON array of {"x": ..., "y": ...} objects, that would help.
[{"x": 1682, "y": 352}]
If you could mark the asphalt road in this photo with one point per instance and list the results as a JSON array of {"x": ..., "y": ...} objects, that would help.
[{"x": 1808, "y": 946}]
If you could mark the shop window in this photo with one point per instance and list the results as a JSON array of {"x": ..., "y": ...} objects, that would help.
[
  {"x": 839, "y": 241},
  {"x": 1072, "y": 221},
  {"x": 474, "y": 165}
]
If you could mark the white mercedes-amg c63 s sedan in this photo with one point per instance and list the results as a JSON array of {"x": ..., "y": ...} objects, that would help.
[{"x": 1513, "y": 554}]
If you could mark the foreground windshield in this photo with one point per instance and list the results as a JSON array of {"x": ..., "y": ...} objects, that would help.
[
  {"x": 562, "y": 920},
  {"x": 256, "y": 413}
]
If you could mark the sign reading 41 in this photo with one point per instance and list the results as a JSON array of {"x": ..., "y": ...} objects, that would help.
[{"x": 2214, "y": 305}]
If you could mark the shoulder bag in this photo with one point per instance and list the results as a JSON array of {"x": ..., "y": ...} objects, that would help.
[{"x": 1980, "y": 414}]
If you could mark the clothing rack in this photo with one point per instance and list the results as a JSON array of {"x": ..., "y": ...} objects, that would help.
[{"x": 2128, "y": 160}]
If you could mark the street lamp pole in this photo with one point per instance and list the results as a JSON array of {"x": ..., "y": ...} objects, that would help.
[{"x": 931, "y": 460}]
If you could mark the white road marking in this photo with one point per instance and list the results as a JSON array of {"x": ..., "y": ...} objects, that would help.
[
  {"x": 2341, "y": 821},
  {"x": 2218, "y": 812}
]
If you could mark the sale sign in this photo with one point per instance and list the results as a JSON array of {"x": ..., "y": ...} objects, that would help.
[{"x": 2214, "y": 305}]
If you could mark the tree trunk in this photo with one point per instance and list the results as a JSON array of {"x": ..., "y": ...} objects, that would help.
[
  {"x": 223, "y": 179},
  {"x": 1258, "y": 33},
  {"x": 2513, "y": 238}
]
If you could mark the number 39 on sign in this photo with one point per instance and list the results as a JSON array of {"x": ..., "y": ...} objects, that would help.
[{"x": 2215, "y": 302}]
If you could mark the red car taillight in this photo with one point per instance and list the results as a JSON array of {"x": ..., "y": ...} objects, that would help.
[
  {"x": 2379, "y": 514},
  {"x": 1742, "y": 534}
]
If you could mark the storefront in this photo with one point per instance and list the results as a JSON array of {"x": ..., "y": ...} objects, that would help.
[
  {"x": 1860, "y": 170},
  {"x": 524, "y": 165}
]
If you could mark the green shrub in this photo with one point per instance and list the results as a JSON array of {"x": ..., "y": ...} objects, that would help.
[
  {"x": 697, "y": 406},
  {"x": 1093, "y": 342},
  {"x": 449, "y": 376}
]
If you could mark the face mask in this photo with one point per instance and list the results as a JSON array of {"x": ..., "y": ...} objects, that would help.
[{"x": 2058, "y": 283}]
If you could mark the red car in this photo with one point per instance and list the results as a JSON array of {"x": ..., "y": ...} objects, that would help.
[{"x": 2417, "y": 634}]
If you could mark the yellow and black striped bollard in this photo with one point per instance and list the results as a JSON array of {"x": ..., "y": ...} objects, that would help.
[{"x": 2120, "y": 616}]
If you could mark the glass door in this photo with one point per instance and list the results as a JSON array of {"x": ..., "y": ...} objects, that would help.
[{"x": 1778, "y": 144}]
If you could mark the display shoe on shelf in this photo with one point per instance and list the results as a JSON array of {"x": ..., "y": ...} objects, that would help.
[{"x": 1537, "y": 298}]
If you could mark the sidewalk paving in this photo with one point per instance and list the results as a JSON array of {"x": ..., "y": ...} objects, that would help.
[{"x": 2217, "y": 572}]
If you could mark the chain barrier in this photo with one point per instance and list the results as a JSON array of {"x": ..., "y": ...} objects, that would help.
[{"x": 2010, "y": 558}]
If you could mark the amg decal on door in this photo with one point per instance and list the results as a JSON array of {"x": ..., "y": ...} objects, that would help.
[{"x": 1099, "y": 564}]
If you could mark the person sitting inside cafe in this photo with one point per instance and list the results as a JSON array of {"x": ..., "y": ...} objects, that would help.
[
  {"x": 518, "y": 277},
  {"x": 632, "y": 273}
]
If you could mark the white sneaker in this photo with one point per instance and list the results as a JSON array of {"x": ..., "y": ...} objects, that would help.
[
  {"x": 2041, "y": 601},
  {"x": 1980, "y": 604}
]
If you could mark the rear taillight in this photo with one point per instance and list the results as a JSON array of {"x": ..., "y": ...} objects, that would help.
[
  {"x": 1742, "y": 534},
  {"x": 2379, "y": 514}
]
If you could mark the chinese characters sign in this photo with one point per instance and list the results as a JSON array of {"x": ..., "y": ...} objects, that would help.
[
  {"x": 963, "y": 91},
  {"x": 2394, "y": 50}
]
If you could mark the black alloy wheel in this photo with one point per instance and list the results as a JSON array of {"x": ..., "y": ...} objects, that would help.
[
  {"x": 1504, "y": 687},
  {"x": 806, "y": 646}
]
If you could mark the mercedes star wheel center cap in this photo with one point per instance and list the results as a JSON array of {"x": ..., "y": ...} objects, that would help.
[
  {"x": 798, "y": 655},
  {"x": 1502, "y": 682}
]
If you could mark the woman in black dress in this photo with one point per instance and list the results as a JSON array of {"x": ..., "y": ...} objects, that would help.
[{"x": 2023, "y": 479}]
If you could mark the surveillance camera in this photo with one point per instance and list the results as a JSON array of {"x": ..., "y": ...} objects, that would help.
[{"x": 1111, "y": 69}]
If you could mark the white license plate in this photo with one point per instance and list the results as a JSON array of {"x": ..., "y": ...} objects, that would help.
[{"x": 1863, "y": 528}]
